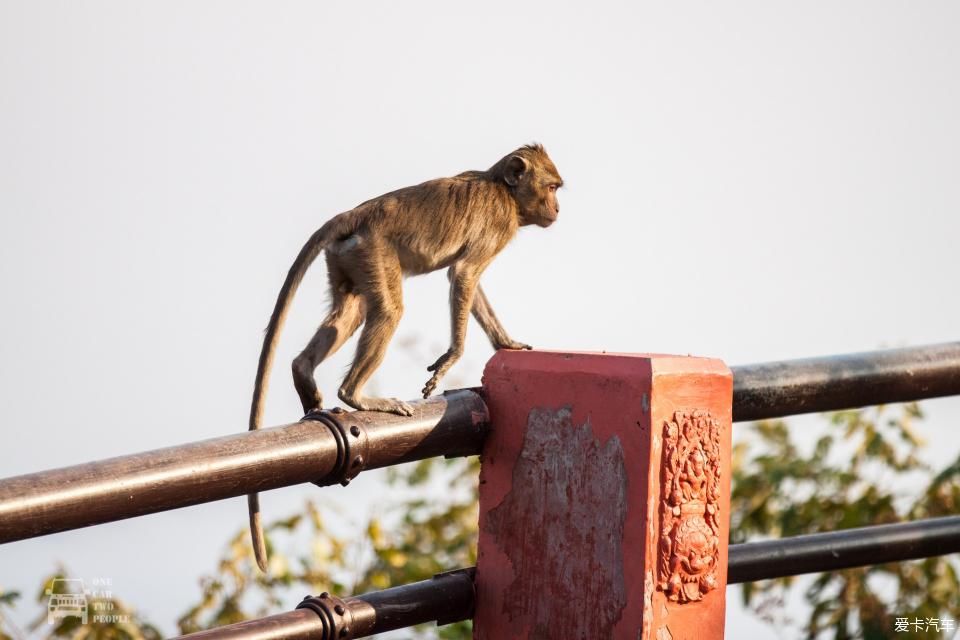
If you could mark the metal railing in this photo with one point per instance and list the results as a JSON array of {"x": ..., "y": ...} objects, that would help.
[
  {"x": 449, "y": 597},
  {"x": 811, "y": 385},
  {"x": 452, "y": 425},
  {"x": 252, "y": 461},
  {"x": 334, "y": 447}
]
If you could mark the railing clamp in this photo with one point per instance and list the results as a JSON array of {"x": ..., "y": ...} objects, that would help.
[
  {"x": 352, "y": 445},
  {"x": 334, "y": 614}
]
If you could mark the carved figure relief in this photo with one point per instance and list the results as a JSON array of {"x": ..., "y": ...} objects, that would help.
[{"x": 690, "y": 498}]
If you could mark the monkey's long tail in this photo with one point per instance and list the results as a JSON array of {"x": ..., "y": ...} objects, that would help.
[{"x": 317, "y": 242}]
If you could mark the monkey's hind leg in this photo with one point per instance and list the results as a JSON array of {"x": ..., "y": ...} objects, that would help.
[
  {"x": 383, "y": 296},
  {"x": 345, "y": 316}
]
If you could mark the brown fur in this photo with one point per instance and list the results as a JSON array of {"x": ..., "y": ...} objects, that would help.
[{"x": 459, "y": 223}]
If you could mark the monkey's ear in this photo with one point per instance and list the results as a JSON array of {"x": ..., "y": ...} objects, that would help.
[{"x": 516, "y": 167}]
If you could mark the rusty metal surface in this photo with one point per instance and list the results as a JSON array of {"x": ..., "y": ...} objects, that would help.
[
  {"x": 300, "y": 624},
  {"x": 447, "y": 597},
  {"x": 251, "y": 461},
  {"x": 775, "y": 389}
]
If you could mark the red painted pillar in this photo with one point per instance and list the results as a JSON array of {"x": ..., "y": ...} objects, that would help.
[{"x": 604, "y": 497}]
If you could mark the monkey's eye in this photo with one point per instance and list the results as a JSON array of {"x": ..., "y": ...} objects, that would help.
[{"x": 552, "y": 188}]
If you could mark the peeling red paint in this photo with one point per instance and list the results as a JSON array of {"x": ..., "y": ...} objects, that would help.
[
  {"x": 570, "y": 496},
  {"x": 565, "y": 483}
]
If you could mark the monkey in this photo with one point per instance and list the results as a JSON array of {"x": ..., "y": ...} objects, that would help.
[{"x": 459, "y": 224}]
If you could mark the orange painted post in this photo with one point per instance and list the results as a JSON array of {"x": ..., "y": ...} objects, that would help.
[{"x": 604, "y": 497}]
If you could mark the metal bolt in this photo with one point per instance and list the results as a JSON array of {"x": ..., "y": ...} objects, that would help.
[
  {"x": 337, "y": 410},
  {"x": 358, "y": 461},
  {"x": 344, "y": 632},
  {"x": 324, "y": 595},
  {"x": 339, "y": 609},
  {"x": 355, "y": 430}
]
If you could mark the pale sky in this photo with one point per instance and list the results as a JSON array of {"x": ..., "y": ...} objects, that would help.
[{"x": 747, "y": 180}]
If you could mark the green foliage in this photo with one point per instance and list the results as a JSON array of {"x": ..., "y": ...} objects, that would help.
[
  {"x": 859, "y": 472},
  {"x": 430, "y": 538},
  {"x": 7, "y": 599},
  {"x": 238, "y": 591},
  {"x": 109, "y": 618},
  {"x": 412, "y": 541}
]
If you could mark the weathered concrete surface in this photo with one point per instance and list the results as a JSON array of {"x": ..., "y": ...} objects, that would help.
[{"x": 571, "y": 505}]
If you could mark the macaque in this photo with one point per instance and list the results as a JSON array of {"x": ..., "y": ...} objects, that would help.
[{"x": 459, "y": 224}]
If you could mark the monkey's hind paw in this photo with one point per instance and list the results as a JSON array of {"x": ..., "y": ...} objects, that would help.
[
  {"x": 388, "y": 405},
  {"x": 400, "y": 407},
  {"x": 514, "y": 345},
  {"x": 317, "y": 408},
  {"x": 384, "y": 405}
]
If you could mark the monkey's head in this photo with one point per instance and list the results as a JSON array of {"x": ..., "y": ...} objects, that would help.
[{"x": 533, "y": 181}]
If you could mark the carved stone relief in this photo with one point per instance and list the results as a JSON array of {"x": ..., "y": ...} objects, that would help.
[{"x": 690, "y": 498}]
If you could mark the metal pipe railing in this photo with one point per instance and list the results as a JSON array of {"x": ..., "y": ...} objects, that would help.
[
  {"x": 863, "y": 546},
  {"x": 449, "y": 597},
  {"x": 453, "y": 424},
  {"x": 446, "y": 598},
  {"x": 776, "y": 389},
  {"x": 307, "y": 451}
]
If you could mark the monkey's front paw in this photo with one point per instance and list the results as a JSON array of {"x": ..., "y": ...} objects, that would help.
[
  {"x": 439, "y": 368},
  {"x": 430, "y": 386},
  {"x": 444, "y": 362}
]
